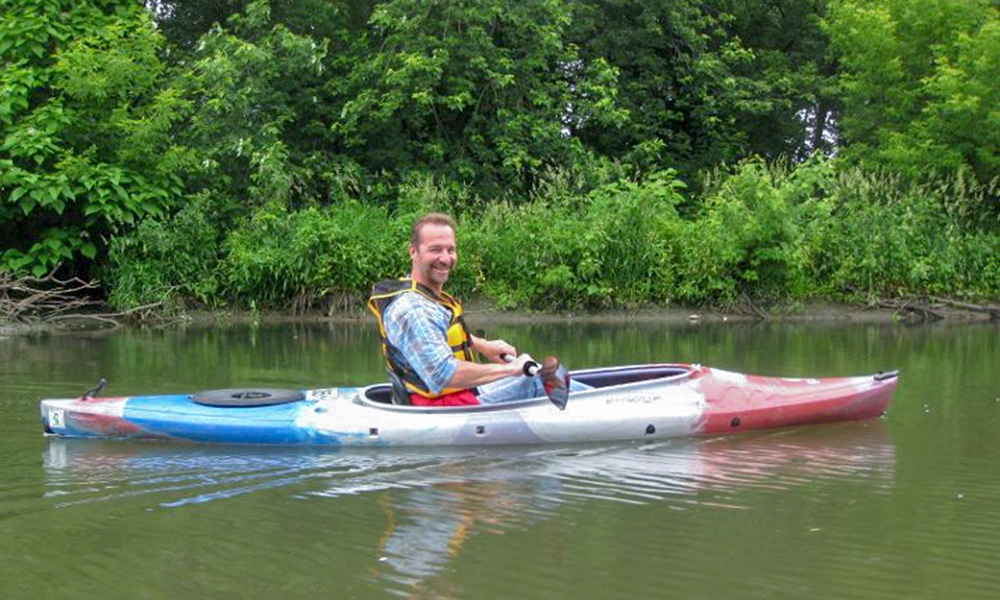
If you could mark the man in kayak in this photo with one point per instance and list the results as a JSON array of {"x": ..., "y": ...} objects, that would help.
[{"x": 425, "y": 340}]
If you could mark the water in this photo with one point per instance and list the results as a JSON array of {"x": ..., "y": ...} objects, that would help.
[{"x": 902, "y": 507}]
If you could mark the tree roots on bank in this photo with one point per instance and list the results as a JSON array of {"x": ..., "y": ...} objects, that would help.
[
  {"x": 57, "y": 302},
  {"x": 932, "y": 308},
  {"x": 74, "y": 303}
]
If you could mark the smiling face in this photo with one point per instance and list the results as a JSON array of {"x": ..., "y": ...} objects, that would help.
[{"x": 434, "y": 256}]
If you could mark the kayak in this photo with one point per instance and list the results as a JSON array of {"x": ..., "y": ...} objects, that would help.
[{"x": 635, "y": 402}]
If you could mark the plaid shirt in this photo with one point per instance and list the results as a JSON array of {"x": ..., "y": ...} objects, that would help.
[{"x": 418, "y": 328}]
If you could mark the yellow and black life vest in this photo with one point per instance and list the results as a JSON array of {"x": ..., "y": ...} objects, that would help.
[{"x": 385, "y": 293}]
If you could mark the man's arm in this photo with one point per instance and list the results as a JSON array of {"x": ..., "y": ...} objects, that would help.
[
  {"x": 492, "y": 350},
  {"x": 470, "y": 374},
  {"x": 415, "y": 327}
]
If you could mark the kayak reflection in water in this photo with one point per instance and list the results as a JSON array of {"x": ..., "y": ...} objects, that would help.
[{"x": 428, "y": 347}]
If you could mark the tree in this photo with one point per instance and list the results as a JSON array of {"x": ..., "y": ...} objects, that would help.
[
  {"x": 677, "y": 81},
  {"x": 482, "y": 91},
  {"x": 918, "y": 84},
  {"x": 86, "y": 130},
  {"x": 790, "y": 105},
  {"x": 251, "y": 85}
]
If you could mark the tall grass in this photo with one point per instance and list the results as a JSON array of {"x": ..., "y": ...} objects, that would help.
[{"x": 771, "y": 234}]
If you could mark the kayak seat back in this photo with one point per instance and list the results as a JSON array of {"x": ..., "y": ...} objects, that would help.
[{"x": 399, "y": 393}]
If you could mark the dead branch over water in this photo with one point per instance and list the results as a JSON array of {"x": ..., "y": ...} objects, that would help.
[
  {"x": 43, "y": 298},
  {"x": 63, "y": 303},
  {"x": 934, "y": 308},
  {"x": 50, "y": 300}
]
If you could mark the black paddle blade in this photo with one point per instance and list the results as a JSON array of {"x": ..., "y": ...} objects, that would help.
[{"x": 96, "y": 389}]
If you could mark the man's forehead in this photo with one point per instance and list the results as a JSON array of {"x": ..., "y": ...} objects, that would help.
[{"x": 435, "y": 234}]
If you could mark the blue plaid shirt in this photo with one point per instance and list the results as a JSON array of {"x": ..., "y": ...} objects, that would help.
[{"x": 418, "y": 328}]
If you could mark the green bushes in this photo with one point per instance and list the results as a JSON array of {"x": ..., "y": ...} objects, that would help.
[
  {"x": 885, "y": 238},
  {"x": 84, "y": 147},
  {"x": 609, "y": 248},
  {"x": 278, "y": 259},
  {"x": 304, "y": 257},
  {"x": 166, "y": 261},
  {"x": 262, "y": 155},
  {"x": 771, "y": 235},
  {"x": 750, "y": 239}
]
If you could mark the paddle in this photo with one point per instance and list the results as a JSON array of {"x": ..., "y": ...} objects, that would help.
[{"x": 556, "y": 384}]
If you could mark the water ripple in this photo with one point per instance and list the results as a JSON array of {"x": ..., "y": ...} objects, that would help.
[{"x": 82, "y": 471}]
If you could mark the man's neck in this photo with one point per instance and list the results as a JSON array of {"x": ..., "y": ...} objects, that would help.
[{"x": 437, "y": 289}]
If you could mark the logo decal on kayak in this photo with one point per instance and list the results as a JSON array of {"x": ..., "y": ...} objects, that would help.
[
  {"x": 635, "y": 399},
  {"x": 57, "y": 419},
  {"x": 323, "y": 394}
]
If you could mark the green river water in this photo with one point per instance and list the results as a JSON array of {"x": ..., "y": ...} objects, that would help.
[{"x": 907, "y": 506}]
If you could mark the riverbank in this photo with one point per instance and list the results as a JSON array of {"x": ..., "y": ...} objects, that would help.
[
  {"x": 813, "y": 312},
  {"x": 479, "y": 313}
]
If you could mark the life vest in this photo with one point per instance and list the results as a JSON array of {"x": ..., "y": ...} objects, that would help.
[{"x": 385, "y": 293}]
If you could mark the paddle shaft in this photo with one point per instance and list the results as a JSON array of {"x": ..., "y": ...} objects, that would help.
[{"x": 530, "y": 369}]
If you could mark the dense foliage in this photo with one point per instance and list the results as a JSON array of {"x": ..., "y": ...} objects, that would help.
[
  {"x": 85, "y": 129},
  {"x": 598, "y": 153}
]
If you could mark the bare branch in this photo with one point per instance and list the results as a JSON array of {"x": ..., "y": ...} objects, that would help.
[
  {"x": 41, "y": 298},
  {"x": 993, "y": 311},
  {"x": 912, "y": 310},
  {"x": 52, "y": 300}
]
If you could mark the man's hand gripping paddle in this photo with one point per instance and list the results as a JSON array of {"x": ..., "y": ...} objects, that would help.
[{"x": 555, "y": 378}]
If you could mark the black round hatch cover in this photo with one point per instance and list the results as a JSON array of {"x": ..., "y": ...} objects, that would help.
[{"x": 247, "y": 397}]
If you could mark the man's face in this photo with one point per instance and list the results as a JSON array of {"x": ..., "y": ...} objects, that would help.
[{"x": 435, "y": 255}]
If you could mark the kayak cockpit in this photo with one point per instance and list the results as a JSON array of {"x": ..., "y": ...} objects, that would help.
[
  {"x": 380, "y": 393},
  {"x": 394, "y": 393},
  {"x": 602, "y": 378}
]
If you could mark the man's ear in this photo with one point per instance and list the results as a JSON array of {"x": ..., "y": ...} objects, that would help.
[{"x": 413, "y": 252}]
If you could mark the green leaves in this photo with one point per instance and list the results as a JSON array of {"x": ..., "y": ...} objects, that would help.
[
  {"x": 918, "y": 83},
  {"x": 71, "y": 119},
  {"x": 112, "y": 65},
  {"x": 477, "y": 91},
  {"x": 55, "y": 246},
  {"x": 286, "y": 131},
  {"x": 281, "y": 259},
  {"x": 251, "y": 92}
]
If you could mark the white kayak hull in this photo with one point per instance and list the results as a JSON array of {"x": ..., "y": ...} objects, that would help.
[{"x": 641, "y": 402}]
